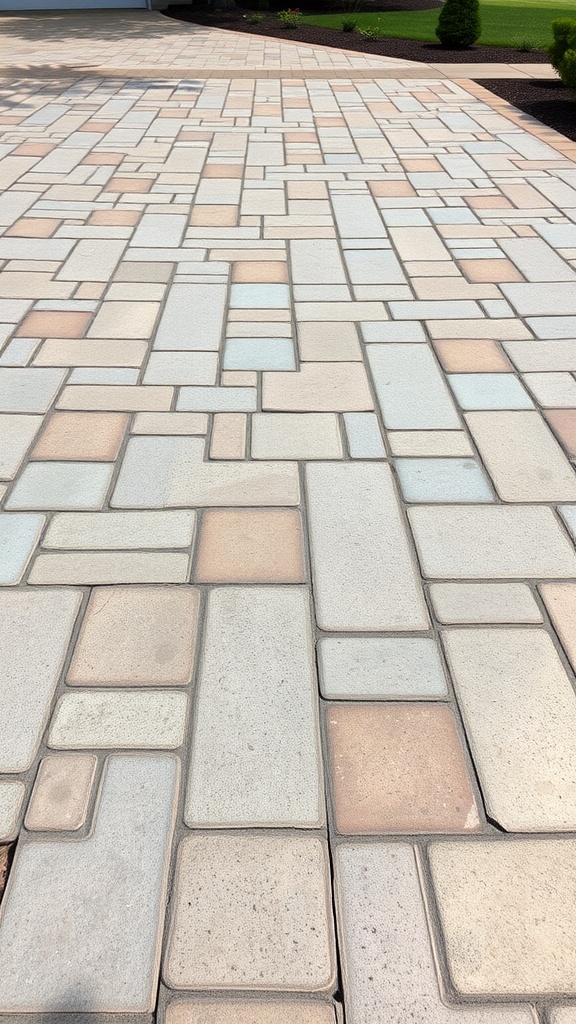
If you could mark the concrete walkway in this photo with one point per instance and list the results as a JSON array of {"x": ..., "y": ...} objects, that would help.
[{"x": 288, "y": 605}]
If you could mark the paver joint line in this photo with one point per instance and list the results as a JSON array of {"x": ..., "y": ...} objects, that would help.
[{"x": 287, "y": 534}]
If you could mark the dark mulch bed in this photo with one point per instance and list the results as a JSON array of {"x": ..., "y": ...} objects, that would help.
[
  {"x": 408, "y": 49},
  {"x": 548, "y": 100}
]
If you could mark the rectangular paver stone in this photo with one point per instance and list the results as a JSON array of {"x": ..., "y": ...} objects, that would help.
[
  {"x": 257, "y": 693},
  {"x": 411, "y": 389},
  {"x": 364, "y": 576}
]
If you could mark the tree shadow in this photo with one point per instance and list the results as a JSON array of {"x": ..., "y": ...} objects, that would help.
[{"x": 91, "y": 25}]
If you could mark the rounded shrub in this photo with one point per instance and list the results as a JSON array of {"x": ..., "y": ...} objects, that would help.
[
  {"x": 459, "y": 23},
  {"x": 562, "y": 53}
]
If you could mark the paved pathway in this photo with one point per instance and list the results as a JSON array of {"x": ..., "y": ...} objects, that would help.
[{"x": 288, "y": 409}]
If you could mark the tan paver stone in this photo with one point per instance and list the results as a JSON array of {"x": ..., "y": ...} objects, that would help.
[
  {"x": 121, "y": 530},
  {"x": 483, "y": 542},
  {"x": 170, "y": 423},
  {"x": 320, "y": 342},
  {"x": 228, "y": 439},
  {"x": 98, "y": 568},
  {"x": 250, "y": 546},
  {"x": 429, "y": 442},
  {"x": 560, "y": 601},
  {"x": 364, "y": 577},
  {"x": 59, "y": 352},
  {"x": 116, "y": 398},
  {"x": 507, "y": 915},
  {"x": 254, "y": 271},
  {"x": 563, "y": 423},
  {"x": 81, "y": 436},
  {"x": 272, "y": 886},
  {"x": 398, "y": 769},
  {"x": 258, "y": 693},
  {"x": 123, "y": 320},
  {"x": 388, "y": 964},
  {"x": 481, "y": 356},
  {"x": 54, "y": 324},
  {"x": 136, "y": 637},
  {"x": 522, "y": 456},
  {"x": 519, "y": 711},
  {"x": 491, "y": 271},
  {"x": 562, "y": 1015},
  {"x": 63, "y": 941},
  {"x": 92, "y": 718},
  {"x": 249, "y": 1011},
  {"x": 296, "y": 436},
  {"x": 33, "y": 227},
  {"x": 36, "y": 627},
  {"x": 61, "y": 793},
  {"x": 318, "y": 387},
  {"x": 484, "y": 602}
]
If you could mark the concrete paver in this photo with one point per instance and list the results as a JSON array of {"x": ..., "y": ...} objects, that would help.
[{"x": 287, "y": 504}]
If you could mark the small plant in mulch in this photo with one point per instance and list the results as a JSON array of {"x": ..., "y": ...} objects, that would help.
[
  {"x": 525, "y": 46},
  {"x": 371, "y": 32},
  {"x": 562, "y": 53},
  {"x": 349, "y": 24},
  {"x": 290, "y": 18},
  {"x": 459, "y": 23},
  {"x": 254, "y": 18}
]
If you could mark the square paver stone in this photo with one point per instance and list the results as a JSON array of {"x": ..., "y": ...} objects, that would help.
[
  {"x": 61, "y": 792},
  {"x": 508, "y": 915},
  {"x": 82, "y": 436},
  {"x": 367, "y": 668},
  {"x": 398, "y": 768},
  {"x": 251, "y": 912},
  {"x": 29, "y": 389},
  {"x": 491, "y": 542},
  {"x": 137, "y": 636},
  {"x": 250, "y": 546},
  {"x": 62, "y": 485}
]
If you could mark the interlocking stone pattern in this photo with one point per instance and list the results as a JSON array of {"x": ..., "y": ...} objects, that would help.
[{"x": 287, "y": 537}]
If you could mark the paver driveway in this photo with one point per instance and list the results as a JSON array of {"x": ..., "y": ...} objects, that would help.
[{"x": 288, "y": 409}]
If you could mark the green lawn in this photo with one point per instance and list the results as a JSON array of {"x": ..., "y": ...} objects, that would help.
[{"x": 511, "y": 23}]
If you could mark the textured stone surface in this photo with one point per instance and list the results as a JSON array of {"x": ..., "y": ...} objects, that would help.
[
  {"x": 398, "y": 769},
  {"x": 136, "y": 636},
  {"x": 560, "y": 601},
  {"x": 250, "y": 546},
  {"x": 263, "y": 885},
  {"x": 257, "y": 693},
  {"x": 387, "y": 958},
  {"x": 36, "y": 628},
  {"x": 519, "y": 710},
  {"x": 484, "y": 602},
  {"x": 249, "y": 1011},
  {"x": 115, "y": 719},
  {"x": 507, "y": 915},
  {"x": 63, "y": 945},
  {"x": 19, "y": 534},
  {"x": 61, "y": 792},
  {"x": 363, "y": 573},
  {"x": 11, "y": 797},
  {"x": 357, "y": 668}
]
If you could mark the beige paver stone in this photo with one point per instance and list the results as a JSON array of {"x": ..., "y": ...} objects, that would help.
[
  {"x": 429, "y": 442},
  {"x": 507, "y": 917},
  {"x": 399, "y": 768},
  {"x": 136, "y": 637},
  {"x": 364, "y": 577},
  {"x": 560, "y": 601},
  {"x": 388, "y": 963},
  {"x": 249, "y": 1011},
  {"x": 519, "y": 712},
  {"x": 484, "y": 602},
  {"x": 296, "y": 436},
  {"x": 61, "y": 793},
  {"x": 483, "y": 542},
  {"x": 263, "y": 885},
  {"x": 81, "y": 436},
  {"x": 36, "y": 628},
  {"x": 563, "y": 1014},
  {"x": 228, "y": 439},
  {"x": 480, "y": 356},
  {"x": 257, "y": 693},
  {"x": 121, "y": 530},
  {"x": 318, "y": 387},
  {"x": 250, "y": 546},
  {"x": 63, "y": 942},
  {"x": 563, "y": 423},
  {"x": 11, "y": 799},
  {"x": 117, "y": 398},
  {"x": 91, "y": 718},
  {"x": 491, "y": 271},
  {"x": 170, "y": 423},
  {"x": 122, "y": 320},
  {"x": 98, "y": 568},
  {"x": 18, "y": 433},
  {"x": 93, "y": 352},
  {"x": 522, "y": 456},
  {"x": 54, "y": 324},
  {"x": 320, "y": 342}
]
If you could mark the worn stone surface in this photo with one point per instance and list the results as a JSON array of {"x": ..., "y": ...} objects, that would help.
[
  {"x": 249, "y": 1011},
  {"x": 387, "y": 668},
  {"x": 263, "y": 885},
  {"x": 61, "y": 792},
  {"x": 506, "y": 914},
  {"x": 63, "y": 945},
  {"x": 257, "y": 693}
]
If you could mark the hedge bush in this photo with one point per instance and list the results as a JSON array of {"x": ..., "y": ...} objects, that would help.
[
  {"x": 562, "y": 53},
  {"x": 459, "y": 23}
]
